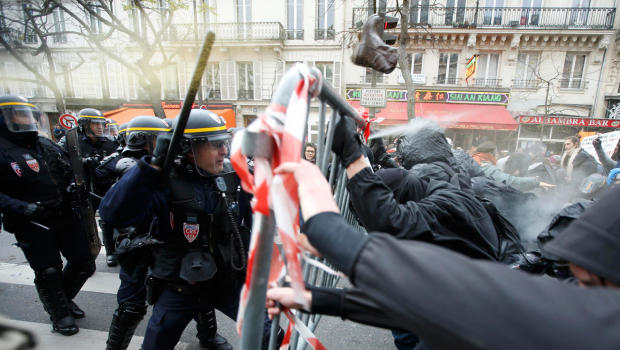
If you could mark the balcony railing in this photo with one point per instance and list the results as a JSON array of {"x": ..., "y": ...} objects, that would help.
[
  {"x": 575, "y": 83},
  {"x": 478, "y": 82},
  {"x": 215, "y": 94},
  {"x": 525, "y": 84},
  {"x": 259, "y": 31},
  {"x": 295, "y": 34},
  {"x": 447, "y": 81},
  {"x": 324, "y": 34},
  {"x": 243, "y": 94},
  {"x": 501, "y": 17}
]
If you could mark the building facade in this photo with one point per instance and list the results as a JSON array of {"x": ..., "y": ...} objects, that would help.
[{"x": 535, "y": 58}]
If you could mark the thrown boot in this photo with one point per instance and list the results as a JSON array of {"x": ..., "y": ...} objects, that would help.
[
  {"x": 372, "y": 51},
  {"x": 206, "y": 325},
  {"x": 49, "y": 286},
  {"x": 73, "y": 278},
  {"x": 124, "y": 323}
]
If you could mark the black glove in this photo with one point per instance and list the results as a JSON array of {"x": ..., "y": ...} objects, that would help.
[
  {"x": 161, "y": 149},
  {"x": 34, "y": 211},
  {"x": 347, "y": 143}
]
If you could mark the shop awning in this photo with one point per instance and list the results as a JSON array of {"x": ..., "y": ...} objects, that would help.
[
  {"x": 125, "y": 114},
  {"x": 450, "y": 115}
]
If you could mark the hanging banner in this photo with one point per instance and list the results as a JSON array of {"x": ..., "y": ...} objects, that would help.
[{"x": 470, "y": 67}]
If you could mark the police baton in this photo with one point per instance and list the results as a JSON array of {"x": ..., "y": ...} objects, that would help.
[{"x": 201, "y": 65}]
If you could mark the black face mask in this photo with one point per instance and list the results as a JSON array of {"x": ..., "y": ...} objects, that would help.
[{"x": 22, "y": 138}]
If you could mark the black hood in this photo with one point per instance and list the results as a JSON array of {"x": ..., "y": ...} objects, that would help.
[
  {"x": 425, "y": 146},
  {"x": 593, "y": 240}
]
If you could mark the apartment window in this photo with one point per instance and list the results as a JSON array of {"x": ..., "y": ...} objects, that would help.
[
  {"x": 418, "y": 12},
  {"x": 93, "y": 14},
  {"x": 139, "y": 24},
  {"x": 325, "y": 20},
  {"x": 493, "y": 12},
  {"x": 208, "y": 11},
  {"x": 244, "y": 11},
  {"x": 530, "y": 13},
  {"x": 572, "y": 74},
  {"x": 58, "y": 18},
  {"x": 487, "y": 69},
  {"x": 327, "y": 69},
  {"x": 415, "y": 64},
  {"x": 527, "y": 70},
  {"x": 295, "y": 19},
  {"x": 30, "y": 36},
  {"x": 579, "y": 12},
  {"x": 448, "y": 67},
  {"x": 171, "y": 83},
  {"x": 211, "y": 88},
  {"x": 455, "y": 15},
  {"x": 368, "y": 78},
  {"x": 245, "y": 74}
]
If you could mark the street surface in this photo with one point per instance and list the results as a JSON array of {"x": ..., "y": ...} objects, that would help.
[{"x": 19, "y": 302}]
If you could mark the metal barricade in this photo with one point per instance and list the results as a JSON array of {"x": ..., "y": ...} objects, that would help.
[{"x": 336, "y": 174}]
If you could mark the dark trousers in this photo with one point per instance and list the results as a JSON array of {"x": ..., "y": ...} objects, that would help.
[
  {"x": 134, "y": 267},
  {"x": 172, "y": 312},
  {"x": 42, "y": 248}
]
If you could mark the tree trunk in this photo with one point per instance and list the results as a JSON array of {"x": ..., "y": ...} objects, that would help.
[
  {"x": 154, "y": 91},
  {"x": 405, "y": 66}
]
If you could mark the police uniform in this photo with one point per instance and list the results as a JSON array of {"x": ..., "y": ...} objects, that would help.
[
  {"x": 201, "y": 227},
  {"x": 37, "y": 209}
]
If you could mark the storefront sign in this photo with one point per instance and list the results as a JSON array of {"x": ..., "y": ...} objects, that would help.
[
  {"x": 470, "y": 67},
  {"x": 440, "y": 96},
  {"x": 568, "y": 121},
  {"x": 373, "y": 97}
]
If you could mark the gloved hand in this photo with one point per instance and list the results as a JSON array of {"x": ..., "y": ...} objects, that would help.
[
  {"x": 161, "y": 149},
  {"x": 34, "y": 211},
  {"x": 347, "y": 143},
  {"x": 596, "y": 142}
]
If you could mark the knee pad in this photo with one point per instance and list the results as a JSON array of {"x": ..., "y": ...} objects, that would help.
[
  {"x": 47, "y": 273},
  {"x": 84, "y": 269}
]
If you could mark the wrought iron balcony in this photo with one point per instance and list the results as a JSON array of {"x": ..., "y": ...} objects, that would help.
[
  {"x": 243, "y": 94},
  {"x": 443, "y": 80},
  {"x": 525, "y": 84},
  {"x": 501, "y": 17},
  {"x": 250, "y": 31},
  {"x": 324, "y": 34},
  {"x": 295, "y": 34},
  {"x": 481, "y": 82},
  {"x": 574, "y": 83}
]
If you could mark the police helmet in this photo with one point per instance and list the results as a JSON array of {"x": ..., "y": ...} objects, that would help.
[
  {"x": 122, "y": 134},
  {"x": 142, "y": 130},
  {"x": 111, "y": 129},
  {"x": 88, "y": 117},
  {"x": 592, "y": 185},
  {"x": 169, "y": 121},
  {"x": 203, "y": 125},
  {"x": 18, "y": 116}
]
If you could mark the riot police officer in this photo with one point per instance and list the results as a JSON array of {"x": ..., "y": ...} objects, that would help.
[
  {"x": 37, "y": 209},
  {"x": 201, "y": 215}
]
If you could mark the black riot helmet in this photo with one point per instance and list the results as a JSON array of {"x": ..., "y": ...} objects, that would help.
[
  {"x": 207, "y": 137},
  {"x": 111, "y": 130},
  {"x": 92, "y": 123},
  {"x": 169, "y": 121},
  {"x": 21, "y": 119},
  {"x": 122, "y": 134},
  {"x": 142, "y": 131}
]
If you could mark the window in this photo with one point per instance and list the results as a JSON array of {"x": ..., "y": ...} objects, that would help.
[
  {"x": 527, "y": 71},
  {"x": 368, "y": 78},
  {"x": 58, "y": 17},
  {"x": 245, "y": 72},
  {"x": 448, "y": 66},
  {"x": 325, "y": 20},
  {"x": 530, "y": 14},
  {"x": 486, "y": 71},
  {"x": 171, "y": 82},
  {"x": 572, "y": 74},
  {"x": 415, "y": 64},
  {"x": 209, "y": 11},
  {"x": 87, "y": 80},
  {"x": 139, "y": 23},
  {"x": 95, "y": 23},
  {"x": 418, "y": 12},
  {"x": 493, "y": 12},
  {"x": 30, "y": 36},
  {"x": 295, "y": 19},
  {"x": 455, "y": 16},
  {"x": 211, "y": 85},
  {"x": 579, "y": 12},
  {"x": 327, "y": 69},
  {"x": 244, "y": 11}
]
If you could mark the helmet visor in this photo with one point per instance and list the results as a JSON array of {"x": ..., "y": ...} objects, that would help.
[
  {"x": 209, "y": 156},
  {"x": 111, "y": 131},
  {"x": 24, "y": 118}
]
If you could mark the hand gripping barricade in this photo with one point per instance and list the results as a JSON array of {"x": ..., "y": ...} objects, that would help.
[{"x": 274, "y": 138}]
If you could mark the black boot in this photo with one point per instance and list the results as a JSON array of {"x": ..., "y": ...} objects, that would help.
[
  {"x": 124, "y": 323},
  {"x": 107, "y": 234},
  {"x": 73, "y": 278},
  {"x": 206, "y": 325},
  {"x": 49, "y": 286},
  {"x": 372, "y": 51}
]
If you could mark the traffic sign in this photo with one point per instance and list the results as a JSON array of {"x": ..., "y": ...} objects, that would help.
[
  {"x": 373, "y": 97},
  {"x": 67, "y": 121}
]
